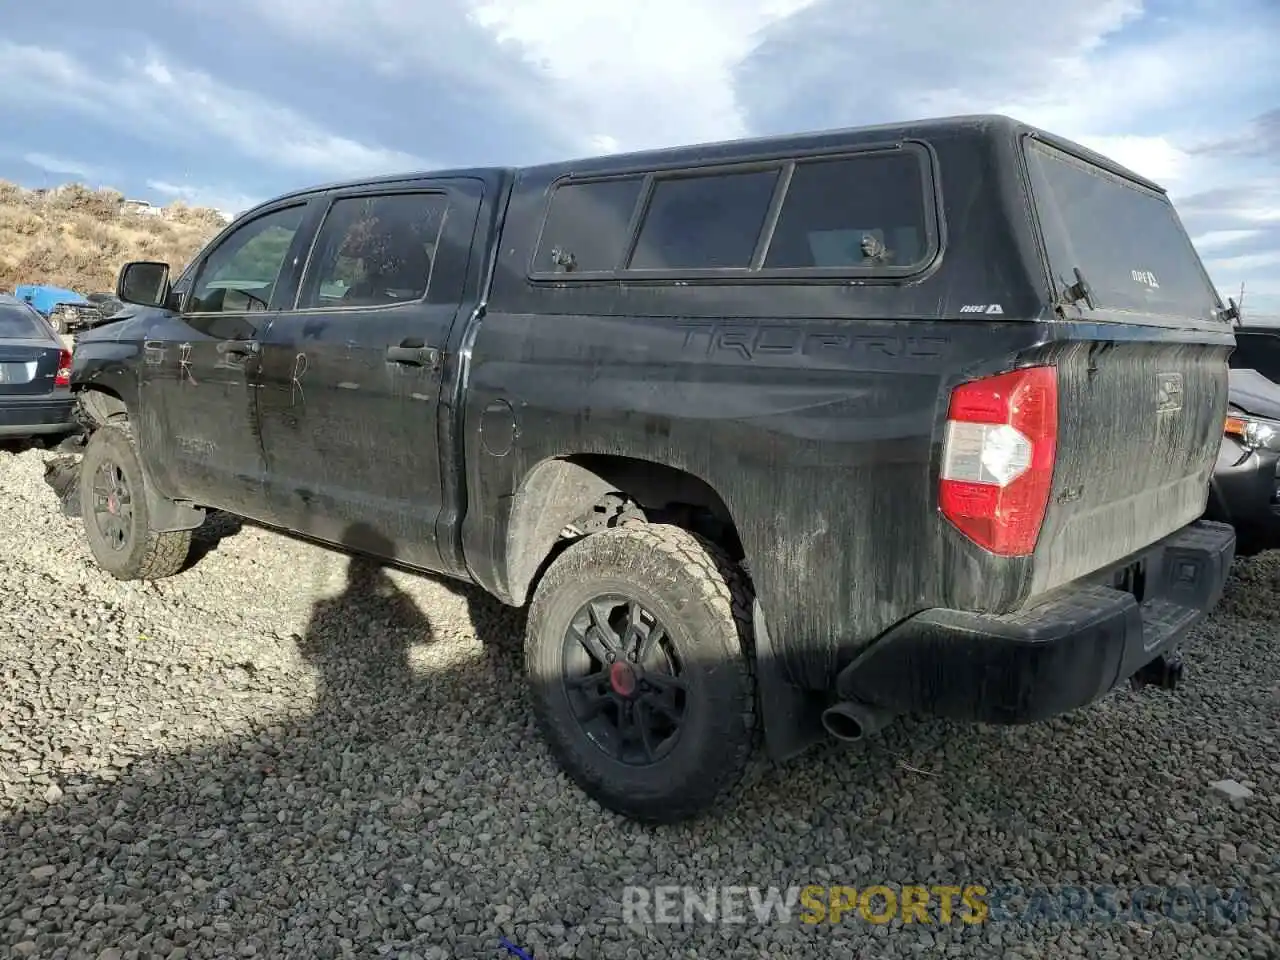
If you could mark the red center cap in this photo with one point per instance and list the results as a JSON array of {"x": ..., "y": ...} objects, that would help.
[{"x": 623, "y": 679}]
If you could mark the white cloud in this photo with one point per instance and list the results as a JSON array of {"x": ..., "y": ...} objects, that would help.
[
  {"x": 641, "y": 75},
  {"x": 1222, "y": 238},
  {"x": 1155, "y": 158},
  {"x": 153, "y": 99},
  {"x": 59, "y": 165},
  {"x": 1244, "y": 262},
  {"x": 227, "y": 202},
  {"x": 594, "y": 77}
]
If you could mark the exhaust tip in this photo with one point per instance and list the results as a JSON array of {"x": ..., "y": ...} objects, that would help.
[
  {"x": 852, "y": 722},
  {"x": 842, "y": 726}
]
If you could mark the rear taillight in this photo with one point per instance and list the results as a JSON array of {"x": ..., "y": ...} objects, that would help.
[
  {"x": 997, "y": 458},
  {"x": 63, "y": 379}
]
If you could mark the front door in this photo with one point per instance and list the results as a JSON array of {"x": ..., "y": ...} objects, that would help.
[
  {"x": 199, "y": 403},
  {"x": 351, "y": 378}
]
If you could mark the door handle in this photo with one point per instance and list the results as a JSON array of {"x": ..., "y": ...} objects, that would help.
[
  {"x": 240, "y": 348},
  {"x": 413, "y": 356}
]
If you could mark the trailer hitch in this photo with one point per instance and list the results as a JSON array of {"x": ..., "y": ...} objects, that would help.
[{"x": 1164, "y": 673}]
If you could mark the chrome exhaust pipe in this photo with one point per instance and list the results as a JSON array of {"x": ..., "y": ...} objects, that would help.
[{"x": 851, "y": 721}]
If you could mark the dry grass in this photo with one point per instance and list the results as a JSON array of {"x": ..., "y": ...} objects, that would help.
[{"x": 78, "y": 238}]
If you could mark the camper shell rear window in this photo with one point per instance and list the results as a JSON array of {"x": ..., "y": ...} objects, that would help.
[{"x": 1125, "y": 239}]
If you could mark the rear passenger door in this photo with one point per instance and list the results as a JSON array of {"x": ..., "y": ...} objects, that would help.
[{"x": 349, "y": 404}]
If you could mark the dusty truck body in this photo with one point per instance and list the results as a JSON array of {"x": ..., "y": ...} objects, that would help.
[{"x": 777, "y": 438}]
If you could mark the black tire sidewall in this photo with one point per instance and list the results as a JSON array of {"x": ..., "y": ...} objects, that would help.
[
  {"x": 708, "y": 643},
  {"x": 112, "y": 444}
]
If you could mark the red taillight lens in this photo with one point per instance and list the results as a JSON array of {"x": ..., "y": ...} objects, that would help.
[
  {"x": 63, "y": 379},
  {"x": 998, "y": 456}
]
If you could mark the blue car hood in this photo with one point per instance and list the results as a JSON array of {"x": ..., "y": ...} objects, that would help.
[{"x": 45, "y": 298}]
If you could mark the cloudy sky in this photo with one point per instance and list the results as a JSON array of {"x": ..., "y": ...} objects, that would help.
[{"x": 231, "y": 102}]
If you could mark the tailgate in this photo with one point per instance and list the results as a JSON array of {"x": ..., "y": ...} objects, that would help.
[
  {"x": 1143, "y": 383},
  {"x": 27, "y": 368},
  {"x": 1140, "y": 425}
]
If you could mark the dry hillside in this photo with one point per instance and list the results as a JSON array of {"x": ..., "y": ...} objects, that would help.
[{"x": 78, "y": 238}]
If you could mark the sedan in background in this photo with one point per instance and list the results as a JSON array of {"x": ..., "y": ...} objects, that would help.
[
  {"x": 1245, "y": 490},
  {"x": 35, "y": 374}
]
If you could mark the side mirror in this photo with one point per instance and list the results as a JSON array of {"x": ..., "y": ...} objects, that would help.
[{"x": 144, "y": 282}]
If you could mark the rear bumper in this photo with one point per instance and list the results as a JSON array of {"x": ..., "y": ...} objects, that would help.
[
  {"x": 1245, "y": 490},
  {"x": 20, "y": 417},
  {"x": 1061, "y": 654}
]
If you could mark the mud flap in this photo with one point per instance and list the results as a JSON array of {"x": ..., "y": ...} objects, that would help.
[
  {"x": 792, "y": 716},
  {"x": 63, "y": 475}
]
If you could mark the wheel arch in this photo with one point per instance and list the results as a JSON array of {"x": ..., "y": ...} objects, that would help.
[
  {"x": 103, "y": 407},
  {"x": 102, "y": 404},
  {"x": 560, "y": 492}
]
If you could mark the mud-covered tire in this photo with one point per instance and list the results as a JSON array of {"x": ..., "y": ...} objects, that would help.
[
  {"x": 144, "y": 554},
  {"x": 704, "y": 604}
]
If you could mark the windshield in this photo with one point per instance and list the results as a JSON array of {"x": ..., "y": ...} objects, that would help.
[
  {"x": 20, "y": 323},
  {"x": 1127, "y": 241}
]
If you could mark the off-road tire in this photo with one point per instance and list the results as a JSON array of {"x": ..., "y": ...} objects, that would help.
[
  {"x": 148, "y": 554},
  {"x": 704, "y": 602}
]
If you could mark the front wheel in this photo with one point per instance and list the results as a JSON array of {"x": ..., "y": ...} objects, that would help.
[
  {"x": 113, "y": 505},
  {"x": 638, "y": 652}
]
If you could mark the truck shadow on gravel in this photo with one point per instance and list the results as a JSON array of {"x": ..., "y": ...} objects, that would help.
[
  {"x": 413, "y": 812},
  {"x": 207, "y": 537}
]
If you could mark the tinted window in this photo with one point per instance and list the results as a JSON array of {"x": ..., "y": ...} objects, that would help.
[
  {"x": 240, "y": 275},
  {"x": 1258, "y": 351},
  {"x": 586, "y": 226},
  {"x": 1126, "y": 241},
  {"x": 705, "y": 222},
  {"x": 859, "y": 212},
  {"x": 18, "y": 322},
  {"x": 375, "y": 251}
]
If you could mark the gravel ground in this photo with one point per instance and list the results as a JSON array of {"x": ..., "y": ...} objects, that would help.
[{"x": 273, "y": 755}]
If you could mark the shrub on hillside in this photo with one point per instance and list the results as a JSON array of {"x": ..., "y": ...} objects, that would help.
[{"x": 79, "y": 238}]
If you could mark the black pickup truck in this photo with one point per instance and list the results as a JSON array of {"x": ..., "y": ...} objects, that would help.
[
  {"x": 778, "y": 438},
  {"x": 1245, "y": 491}
]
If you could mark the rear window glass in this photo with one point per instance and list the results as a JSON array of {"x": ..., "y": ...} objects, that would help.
[
  {"x": 857, "y": 212},
  {"x": 20, "y": 323},
  {"x": 586, "y": 228},
  {"x": 1126, "y": 241},
  {"x": 704, "y": 223}
]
